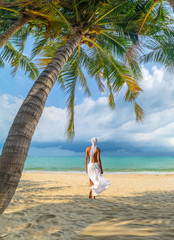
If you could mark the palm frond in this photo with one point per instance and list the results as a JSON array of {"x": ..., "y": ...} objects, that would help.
[
  {"x": 9, "y": 9},
  {"x": 1, "y": 62},
  {"x": 75, "y": 5},
  {"x": 38, "y": 46},
  {"x": 63, "y": 17},
  {"x": 43, "y": 62},
  {"x": 147, "y": 15},
  {"x": 106, "y": 13},
  {"x": 88, "y": 60},
  {"x": 70, "y": 79},
  {"x": 161, "y": 51},
  {"x": 80, "y": 75},
  {"x": 111, "y": 99},
  {"x": 46, "y": 15},
  {"x": 116, "y": 42},
  {"x": 120, "y": 73},
  {"x": 133, "y": 88},
  {"x": 83, "y": 81},
  {"x": 47, "y": 51},
  {"x": 139, "y": 113},
  {"x": 60, "y": 81},
  {"x": 17, "y": 59},
  {"x": 132, "y": 61},
  {"x": 20, "y": 38}
]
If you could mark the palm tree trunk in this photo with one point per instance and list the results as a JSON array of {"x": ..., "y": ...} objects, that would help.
[
  {"x": 17, "y": 144},
  {"x": 171, "y": 3},
  {"x": 5, "y": 36}
]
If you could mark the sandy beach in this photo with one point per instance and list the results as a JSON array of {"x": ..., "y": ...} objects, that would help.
[{"x": 56, "y": 206}]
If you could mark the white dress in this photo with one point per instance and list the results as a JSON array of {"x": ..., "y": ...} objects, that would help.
[{"x": 100, "y": 182}]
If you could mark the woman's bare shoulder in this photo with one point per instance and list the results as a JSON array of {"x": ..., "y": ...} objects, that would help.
[
  {"x": 88, "y": 148},
  {"x": 98, "y": 149}
]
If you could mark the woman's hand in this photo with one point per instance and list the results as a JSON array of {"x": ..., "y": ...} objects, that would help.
[
  {"x": 101, "y": 171},
  {"x": 86, "y": 170}
]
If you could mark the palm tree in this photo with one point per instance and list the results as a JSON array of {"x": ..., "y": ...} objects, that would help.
[
  {"x": 34, "y": 16},
  {"x": 13, "y": 54},
  {"x": 26, "y": 12},
  {"x": 171, "y": 3},
  {"x": 92, "y": 32},
  {"x": 13, "y": 29}
]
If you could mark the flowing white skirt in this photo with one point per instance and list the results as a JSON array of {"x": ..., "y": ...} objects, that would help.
[{"x": 100, "y": 182}]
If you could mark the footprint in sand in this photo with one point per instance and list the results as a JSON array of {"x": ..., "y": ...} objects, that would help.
[
  {"x": 19, "y": 213},
  {"x": 45, "y": 218},
  {"x": 55, "y": 223},
  {"x": 24, "y": 220},
  {"x": 56, "y": 234},
  {"x": 41, "y": 227},
  {"x": 28, "y": 225},
  {"x": 17, "y": 236},
  {"x": 2, "y": 235}
]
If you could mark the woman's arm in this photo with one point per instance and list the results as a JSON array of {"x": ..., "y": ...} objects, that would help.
[
  {"x": 86, "y": 159},
  {"x": 99, "y": 161}
]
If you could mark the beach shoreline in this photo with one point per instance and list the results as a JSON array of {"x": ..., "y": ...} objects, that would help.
[
  {"x": 106, "y": 173},
  {"x": 56, "y": 206},
  {"x": 111, "y": 165}
]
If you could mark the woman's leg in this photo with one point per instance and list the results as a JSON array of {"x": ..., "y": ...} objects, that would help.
[{"x": 90, "y": 185}]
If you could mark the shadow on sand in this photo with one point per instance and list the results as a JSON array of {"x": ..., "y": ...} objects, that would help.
[{"x": 143, "y": 217}]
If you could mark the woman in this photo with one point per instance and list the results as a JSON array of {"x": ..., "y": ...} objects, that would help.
[{"x": 97, "y": 182}]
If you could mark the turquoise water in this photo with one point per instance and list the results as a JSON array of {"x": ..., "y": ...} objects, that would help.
[{"x": 110, "y": 164}]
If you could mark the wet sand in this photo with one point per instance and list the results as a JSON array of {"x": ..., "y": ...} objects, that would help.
[{"x": 56, "y": 206}]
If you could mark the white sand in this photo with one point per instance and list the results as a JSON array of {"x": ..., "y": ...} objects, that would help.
[{"x": 56, "y": 206}]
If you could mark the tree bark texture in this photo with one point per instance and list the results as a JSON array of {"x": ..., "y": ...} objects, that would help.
[
  {"x": 171, "y": 3},
  {"x": 5, "y": 36},
  {"x": 17, "y": 144}
]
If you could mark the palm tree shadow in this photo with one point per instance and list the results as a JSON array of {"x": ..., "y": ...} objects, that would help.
[{"x": 144, "y": 217}]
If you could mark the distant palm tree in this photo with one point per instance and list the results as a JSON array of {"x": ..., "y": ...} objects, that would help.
[
  {"x": 7, "y": 34},
  {"x": 25, "y": 12},
  {"x": 28, "y": 16},
  {"x": 9, "y": 53},
  {"x": 97, "y": 35}
]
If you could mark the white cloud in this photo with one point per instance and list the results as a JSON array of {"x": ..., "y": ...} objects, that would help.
[
  {"x": 94, "y": 118},
  {"x": 158, "y": 88},
  {"x": 154, "y": 79},
  {"x": 51, "y": 126},
  {"x": 9, "y": 106}
]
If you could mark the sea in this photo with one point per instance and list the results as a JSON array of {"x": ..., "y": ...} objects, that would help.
[{"x": 111, "y": 165}]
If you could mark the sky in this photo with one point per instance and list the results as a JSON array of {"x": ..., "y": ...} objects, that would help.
[{"x": 117, "y": 131}]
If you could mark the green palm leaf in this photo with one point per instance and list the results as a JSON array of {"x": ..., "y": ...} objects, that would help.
[
  {"x": 62, "y": 15},
  {"x": 108, "y": 11},
  {"x": 20, "y": 38},
  {"x": 70, "y": 79},
  {"x": 17, "y": 59},
  {"x": 161, "y": 51}
]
